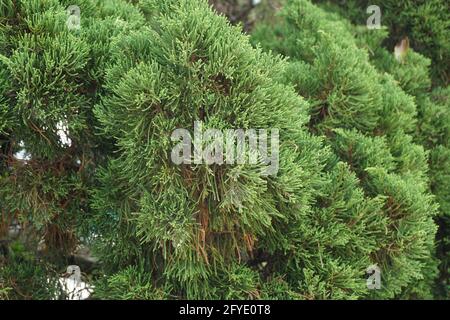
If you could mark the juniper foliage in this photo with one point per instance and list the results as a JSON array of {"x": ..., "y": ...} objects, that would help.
[
  {"x": 426, "y": 23},
  {"x": 50, "y": 78},
  {"x": 361, "y": 151},
  {"x": 369, "y": 122},
  {"x": 432, "y": 128}
]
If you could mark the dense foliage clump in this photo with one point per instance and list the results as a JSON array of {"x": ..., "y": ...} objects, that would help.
[
  {"x": 88, "y": 111},
  {"x": 369, "y": 122},
  {"x": 426, "y": 23}
]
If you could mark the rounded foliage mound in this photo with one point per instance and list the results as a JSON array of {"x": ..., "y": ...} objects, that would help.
[{"x": 368, "y": 121}]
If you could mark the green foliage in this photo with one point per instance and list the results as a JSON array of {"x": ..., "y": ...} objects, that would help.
[
  {"x": 366, "y": 118},
  {"x": 364, "y": 150},
  {"x": 24, "y": 276},
  {"x": 193, "y": 226},
  {"x": 50, "y": 79},
  {"x": 129, "y": 284},
  {"x": 333, "y": 243},
  {"x": 435, "y": 132},
  {"x": 4, "y": 292},
  {"x": 431, "y": 128},
  {"x": 426, "y": 23}
]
